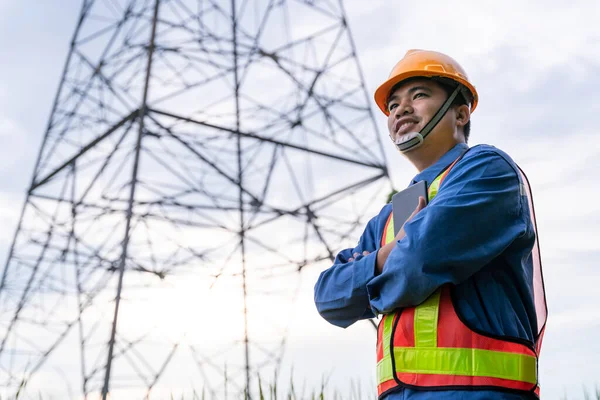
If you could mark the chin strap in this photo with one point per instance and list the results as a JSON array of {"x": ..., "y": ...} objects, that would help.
[{"x": 412, "y": 140}]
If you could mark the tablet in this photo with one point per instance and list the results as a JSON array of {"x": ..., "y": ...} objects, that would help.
[{"x": 405, "y": 202}]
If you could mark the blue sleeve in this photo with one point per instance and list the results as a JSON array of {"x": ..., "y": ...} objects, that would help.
[
  {"x": 341, "y": 290},
  {"x": 475, "y": 216}
]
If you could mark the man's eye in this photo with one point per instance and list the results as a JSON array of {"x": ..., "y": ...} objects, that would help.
[
  {"x": 392, "y": 106},
  {"x": 420, "y": 94}
]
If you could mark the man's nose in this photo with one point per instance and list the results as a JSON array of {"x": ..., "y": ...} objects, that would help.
[{"x": 404, "y": 108}]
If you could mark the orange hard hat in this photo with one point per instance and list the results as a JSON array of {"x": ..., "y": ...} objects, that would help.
[{"x": 428, "y": 64}]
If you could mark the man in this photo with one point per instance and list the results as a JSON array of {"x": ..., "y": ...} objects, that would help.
[{"x": 460, "y": 285}]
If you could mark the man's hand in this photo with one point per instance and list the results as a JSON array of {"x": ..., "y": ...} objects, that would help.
[
  {"x": 383, "y": 253},
  {"x": 364, "y": 253}
]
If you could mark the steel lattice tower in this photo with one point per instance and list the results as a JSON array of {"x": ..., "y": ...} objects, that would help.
[{"x": 198, "y": 155}]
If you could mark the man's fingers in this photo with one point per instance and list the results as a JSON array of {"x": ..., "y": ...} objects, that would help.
[
  {"x": 421, "y": 205},
  {"x": 355, "y": 255}
]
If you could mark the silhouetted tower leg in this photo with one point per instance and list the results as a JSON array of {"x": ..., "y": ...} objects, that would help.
[{"x": 199, "y": 154}]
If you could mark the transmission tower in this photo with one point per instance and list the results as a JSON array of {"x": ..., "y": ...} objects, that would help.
[{"x": 198, "y": 155}]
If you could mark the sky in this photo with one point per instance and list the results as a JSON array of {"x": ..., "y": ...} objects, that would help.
[{"x": 536, "y": 69}]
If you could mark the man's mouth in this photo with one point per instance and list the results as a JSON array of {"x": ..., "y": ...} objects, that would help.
[{"x": 403, "y": 126}]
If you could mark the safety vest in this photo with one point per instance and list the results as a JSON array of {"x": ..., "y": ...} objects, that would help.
[{"x": 429, "y": 347}]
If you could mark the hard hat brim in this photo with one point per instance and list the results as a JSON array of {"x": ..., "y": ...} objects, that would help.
[{"x": 383, "y": 91}]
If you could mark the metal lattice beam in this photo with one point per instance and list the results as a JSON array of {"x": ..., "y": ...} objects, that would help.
[{"x": 199, "y": 155}]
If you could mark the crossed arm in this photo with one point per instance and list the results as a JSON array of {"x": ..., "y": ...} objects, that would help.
[{"x": 473, "y": 219}]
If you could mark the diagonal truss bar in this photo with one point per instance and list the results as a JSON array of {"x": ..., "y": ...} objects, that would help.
[
  {"x": 85, "y": 149},
  {"x": 266, "y": 139}
]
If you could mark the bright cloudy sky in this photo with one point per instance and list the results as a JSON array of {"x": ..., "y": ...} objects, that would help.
[{"x": 536, "y": 66}]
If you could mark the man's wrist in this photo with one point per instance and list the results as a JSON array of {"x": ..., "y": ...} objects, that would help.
[{"x": 382, "y": 254}]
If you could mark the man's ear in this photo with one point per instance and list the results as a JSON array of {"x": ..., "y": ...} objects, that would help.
[{"x": 463, "y": 115}]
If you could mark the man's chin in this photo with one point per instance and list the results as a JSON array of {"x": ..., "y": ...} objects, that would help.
[{"x": 404, "y": 137}]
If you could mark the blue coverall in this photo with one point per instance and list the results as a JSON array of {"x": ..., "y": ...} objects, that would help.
[{"x": 476, "y": 234}]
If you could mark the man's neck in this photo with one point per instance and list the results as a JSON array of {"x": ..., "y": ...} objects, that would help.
[{"x": 428, "y": 154}]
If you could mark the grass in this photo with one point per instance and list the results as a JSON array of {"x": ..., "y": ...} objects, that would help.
[
  {"x": 269, "y": 391},
  {"x": 266, "y": 391},
  {"x": 586, "y": 395}
]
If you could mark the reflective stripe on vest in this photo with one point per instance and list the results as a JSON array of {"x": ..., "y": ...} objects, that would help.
[{"x": 428, "y": 346}]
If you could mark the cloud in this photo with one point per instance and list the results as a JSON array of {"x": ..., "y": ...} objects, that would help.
[
  {"x": 519, "y": 100},
  {"x": 13, "y": 136}
]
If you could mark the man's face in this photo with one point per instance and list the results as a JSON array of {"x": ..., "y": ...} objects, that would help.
[{"x": 413, "y": 104}]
